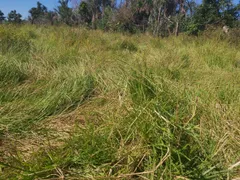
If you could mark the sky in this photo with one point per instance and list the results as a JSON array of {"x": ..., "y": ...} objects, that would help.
[{"x": 23, "y": 6}]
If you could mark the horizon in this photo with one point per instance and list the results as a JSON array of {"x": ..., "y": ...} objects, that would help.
[{"x": 23, "y": 7}]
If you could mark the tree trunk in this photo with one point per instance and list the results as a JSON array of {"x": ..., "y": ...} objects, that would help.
[
  {"x": 169, "y": 31},
  {"x": 158, "y": 21},
  {"x": 103, "y": 7},
  {"x": 177, "y": 29},
  {"x": 94, "y": 21}
]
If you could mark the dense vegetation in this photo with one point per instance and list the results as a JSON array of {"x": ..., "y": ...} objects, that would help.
[
  {"x": 96, "y": 96},
  {"x": 78, "y": 103},
  {"x": 158, "y": 17}
]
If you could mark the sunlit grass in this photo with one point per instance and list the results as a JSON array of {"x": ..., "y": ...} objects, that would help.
[{"x": 123, "y": 106}]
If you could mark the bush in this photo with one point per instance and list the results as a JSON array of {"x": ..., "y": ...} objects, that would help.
[
  {"x": 234, "y": 36},
  {"x": 194, "y": 28}
]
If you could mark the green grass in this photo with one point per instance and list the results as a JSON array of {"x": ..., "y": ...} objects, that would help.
[{"x": 86, "y": 104}]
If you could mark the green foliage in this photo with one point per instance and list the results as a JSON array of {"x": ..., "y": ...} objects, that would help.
[
  {"x": 106, "y": 22},
  {"x": 141, "y": 86},
  {"x": 37, "y": 12},
  {"x": 14, "y": 17},
  {"x": 14, "y": 42},
  {"x": 65, "y": 12},
  {"x": 65, "y": 96},
  {"x": 124, "y": 21},
  {"x": 128, "y": 45},
  {"x": 2, "y": 18},
  {"x": 51, "y": 16},
  {"x": 94, "y": 147},
  {"x": 231, "y": 15},
  {"x": 214, "y": 13},
  {"x": 10, "y": 72},
  {"x": 87, "y": 104},
  {"x": 85, "y": 12},
  {"x": 159, "y": 17},
  {"x": 234, "y": 37},
  {"x": 194, "y": 28}
]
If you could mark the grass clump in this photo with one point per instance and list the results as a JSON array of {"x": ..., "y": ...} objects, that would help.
[
  {"x": 89, "y": 105},
  {"x": 141, "y": 86},
  {"x": 11, "y": 71},
  {"x": 13, "y": 40},
  {"x": 128, "y": 45}
]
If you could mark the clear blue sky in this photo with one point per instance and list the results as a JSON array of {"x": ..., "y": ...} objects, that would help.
[{"x": 23, "y": 6}]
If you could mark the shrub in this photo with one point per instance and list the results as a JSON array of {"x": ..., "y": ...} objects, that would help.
[{"x": 234, "y": 36}]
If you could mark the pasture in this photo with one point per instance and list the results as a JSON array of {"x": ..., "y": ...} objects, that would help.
[{"x": 84, "y": 104}]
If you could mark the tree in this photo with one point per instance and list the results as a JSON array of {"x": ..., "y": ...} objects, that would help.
[
  {"x": 140, "y": 10},
  {"x": 65, "y": 12},
  {"x": 230, "y": 13},
  {"x": 162, "y": 17},
  {"x": 51, "y": 16},
  {"x": 2, "y": 18},
  {"x": 84, "y": 12},
  {"x": 105, "y": 4},
  {"x": 190, "y": 7},
  {"x": 14, "y": 17},
  {"x": 208, "y": 12},
  {"x": 37, "y": 12},
  {"x": 124, "y": 19},
  {"x": 95, "y": 10},
  {"x": 213, "y": 12}
]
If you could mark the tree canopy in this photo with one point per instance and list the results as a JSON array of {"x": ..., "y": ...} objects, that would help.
[
  {"x": 2, "y": 17},
  {"x": 14, "y": 17},
  {"x": 160, "y": 17},
  {"x": 65, "y": 12},
  {"x": 37, "y": 12}
]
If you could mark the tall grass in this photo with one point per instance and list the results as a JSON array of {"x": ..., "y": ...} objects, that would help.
[{"x": 94, "y": 105}]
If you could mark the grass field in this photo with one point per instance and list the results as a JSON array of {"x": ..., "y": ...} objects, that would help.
[{"x": 81, "y": 104}]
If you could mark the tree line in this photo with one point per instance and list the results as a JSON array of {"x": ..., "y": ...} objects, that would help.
[{"x": 159, "y": 17}]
